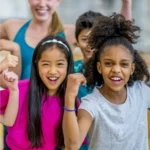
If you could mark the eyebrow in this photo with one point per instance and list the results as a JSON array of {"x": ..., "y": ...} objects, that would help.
[
  {"x": 61, "y": 60},
  {"x": 84, "y": 36},
  {"x": 112, "y": 60},
  {"x": 50, "y": 61}
]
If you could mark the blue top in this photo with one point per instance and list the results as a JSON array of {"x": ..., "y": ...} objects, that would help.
[
  {"x": 83, "y": 90},
  {"x": 26, "y": 50}
]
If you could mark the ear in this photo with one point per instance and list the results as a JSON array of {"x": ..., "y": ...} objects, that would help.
[
  {"x": 132, "y": 68},
  {"x": 99, "y": 67}
]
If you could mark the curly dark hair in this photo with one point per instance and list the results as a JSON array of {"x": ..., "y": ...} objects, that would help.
[
  {"x": 114, "y": 30},
  {"x": 85, "y": 21}
]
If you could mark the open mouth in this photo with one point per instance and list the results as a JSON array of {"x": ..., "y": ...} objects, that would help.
[
  {"x": 53, "y": 79},
  {"x": 42, "y": 11},
  {"x": 116, "y": 79}
]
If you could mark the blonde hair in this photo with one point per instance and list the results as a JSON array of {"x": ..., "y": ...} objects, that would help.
[{"x": 56, "y": 25}]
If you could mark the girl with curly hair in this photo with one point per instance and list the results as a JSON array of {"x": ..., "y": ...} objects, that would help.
[{"x": 115, "y": 114}]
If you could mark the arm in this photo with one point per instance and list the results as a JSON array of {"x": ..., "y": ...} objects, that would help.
[
  {"x": 9, "y": 28},
  {"x": 14, "y": 49},
  {"x": 75, "y": 128},
  {"x": 3, "y": 31},
  {"x": 126, "y": 9},
  {"x": 11, "y": 80}
]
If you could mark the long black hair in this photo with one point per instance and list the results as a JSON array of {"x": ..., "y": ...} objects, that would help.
[
  {"x": 37, "y": 88},
  {"x": 114, "y": 30}
]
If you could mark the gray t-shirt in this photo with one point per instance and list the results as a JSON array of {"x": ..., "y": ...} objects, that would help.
[{"x": 119, "y": 126}]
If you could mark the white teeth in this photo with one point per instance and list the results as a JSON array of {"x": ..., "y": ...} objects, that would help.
[
  {"x": 116, "y": 78},
  {"x": 53, "y": 79},
  {"x": 42, "y": 11}
]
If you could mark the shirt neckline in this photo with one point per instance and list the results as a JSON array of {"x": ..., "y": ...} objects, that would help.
[{"x": 96, "y": 90}]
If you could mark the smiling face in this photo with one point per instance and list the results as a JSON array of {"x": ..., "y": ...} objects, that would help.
[
  {"x": 52, "y": 68},
  {"x": 42, "y": 10},
  {"x": 116, "y": 66},
  {"x": 83, "y": 44}
]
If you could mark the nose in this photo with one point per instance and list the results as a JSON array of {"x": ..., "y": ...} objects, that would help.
[
  {"x": 52, "y": 70},
  {"x": 42, "y": 2},
  {"x": 116, "y": 69}
]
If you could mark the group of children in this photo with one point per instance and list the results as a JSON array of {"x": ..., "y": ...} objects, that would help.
[{"x": 41, "y": 112}]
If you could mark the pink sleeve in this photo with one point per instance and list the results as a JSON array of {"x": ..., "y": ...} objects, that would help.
[
  {"x": 78, "y": 102},
  {"x": 4, "y": 95}
]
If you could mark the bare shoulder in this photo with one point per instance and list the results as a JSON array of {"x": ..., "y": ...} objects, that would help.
[{"x": 11, "y": 27}]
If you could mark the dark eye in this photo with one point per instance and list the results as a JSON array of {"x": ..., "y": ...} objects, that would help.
[
  {"x": 85, "y": 40},
  {"x": 124, "y": 64},
  {"x": 45, "y": 64},
  {"x": 60, "y": 64},
  {"x": 108, "y": 64}
]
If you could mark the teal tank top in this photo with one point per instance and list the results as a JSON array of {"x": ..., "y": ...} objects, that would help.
[
  {"x": 26, "y": 50},
  {"x": 83, "y": 89}
]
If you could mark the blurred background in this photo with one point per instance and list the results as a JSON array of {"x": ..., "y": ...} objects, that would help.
[{"x": 69, "y": 10}]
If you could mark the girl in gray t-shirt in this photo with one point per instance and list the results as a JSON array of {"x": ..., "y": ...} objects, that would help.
[{"x": 115, "y": 114}]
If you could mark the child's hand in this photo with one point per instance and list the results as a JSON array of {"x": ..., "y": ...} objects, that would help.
[
  {"x": 8, "y": 62},
  {"x": 73, "y": 83},
  {"x": 10, "y": 79}
]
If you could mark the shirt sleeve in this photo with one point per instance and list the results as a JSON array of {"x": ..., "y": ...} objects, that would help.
[
  {"x": 89, "y": 105},
  {"x": 4, "y": 95}
]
